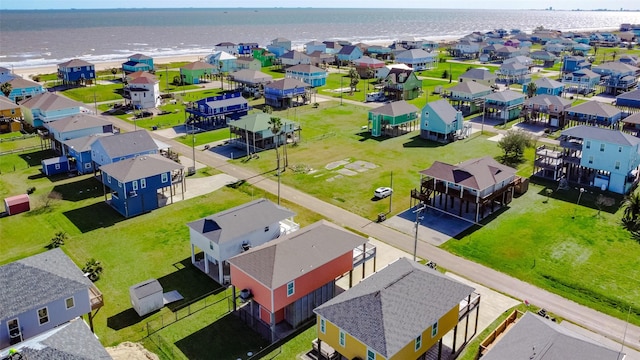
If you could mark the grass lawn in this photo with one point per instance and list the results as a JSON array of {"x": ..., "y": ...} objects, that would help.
[
  {"x": 153, "y": 245},
  {"x": 85, "y": 94},
  {"x": 562, "y": 247},
  {"x": 205, "y": 137}
]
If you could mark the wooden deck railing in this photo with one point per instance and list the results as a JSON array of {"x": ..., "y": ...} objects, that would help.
[{"x": 488, "y": 341}]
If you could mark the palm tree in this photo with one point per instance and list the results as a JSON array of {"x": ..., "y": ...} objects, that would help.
[
  {"x": 531, "y": 90},
  {"x": 6, "y": 88},
  {"x": 631, "y": 213}
]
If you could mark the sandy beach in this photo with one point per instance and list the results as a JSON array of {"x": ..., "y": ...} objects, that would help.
[{"x": 27, "y": 72}]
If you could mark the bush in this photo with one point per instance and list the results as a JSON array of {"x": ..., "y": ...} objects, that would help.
[{"x": 31, "y": 190}]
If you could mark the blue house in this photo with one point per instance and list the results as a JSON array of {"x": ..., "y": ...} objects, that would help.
[
  {"x": 76, "y": 126},
  {"x": 545, "y": 86},
  {"x": 42, "y": 292},
  {"x": 22, "y": 89},
  {"x": 312, "y": 75},
  {"x": 313, "y": 46},
  {"x": 440, "y": 121},
  {"x": 215, "y": 111},
  {"x": 281, "y": 93},
  {"x": 574, "y": 63},
  {"x": 139, "y": 184},
  {"x": 379, "y": 51},
  {"x": 505, "y": 105},
  {"x": 608, "y": 159},
  {"x": 279, "y": 46},
  {"x": 138, "y": 62},
  {"x": 617, "y": 77},
  {"x": 594, "y": 113},
  {"x": 629, "y": 99},
  {"x": 111, "y": 149},
  {"x": 78, "y": 152},
  {"x": 583, "y": 81},
  {"x": 222, "y": 61},
  {"x": 76, "y": 72},
  {"x": 349, "y": 53},
  {"x": 418, "y": 59},
  {"x": 47, "y": 107},
  {"x": 247, "y": 48},
  {"x": 55, "y": 166}
]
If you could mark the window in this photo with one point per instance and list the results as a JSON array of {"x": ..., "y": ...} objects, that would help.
[
  {"x": 590, "y": 159},
  {"x": 134, "y": 185},
  {"x": 323, "y": 326},
  {"x": 620, "y": 149},
  {"x": 291, "y": 288},
  {"x": 371, "y": 355},
  {"x": 342, "y": 338},
  {"x": 601, "y": 147},
  {"x": 434, "y": 329},
  {"x": 119, "y": 184},
  {"x": 418, "y": 342},
  {"x": 266, "y": 229},
  {"x": 588, "y": 144},
  {"x": 165, "y": 177},
  {"x": 617, "y": 165},
  {"x": 70, "y": 303},
  {"x": 109, "y": 179},
  {"x": 143, "y": 183},
  {"x": 43, "y": 316},
  {"x": 87, "y": 166},
  {"x": 57, "y": 166}
]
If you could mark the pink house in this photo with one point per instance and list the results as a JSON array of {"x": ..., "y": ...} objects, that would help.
[{"x": 282, "y": 281}]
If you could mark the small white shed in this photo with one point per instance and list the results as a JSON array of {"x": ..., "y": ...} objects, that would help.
[{"x": 146, "y": 297}]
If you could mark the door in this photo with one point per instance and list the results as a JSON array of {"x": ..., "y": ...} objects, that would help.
[{"x": 15, "y": 335}]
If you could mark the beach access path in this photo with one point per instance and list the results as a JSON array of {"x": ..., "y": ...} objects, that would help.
[{"x": 608, "y": 326}]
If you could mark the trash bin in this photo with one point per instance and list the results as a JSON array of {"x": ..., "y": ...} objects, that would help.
[
  {"x": 154, "y": 128},
  {"x": 382, "y": 217}
]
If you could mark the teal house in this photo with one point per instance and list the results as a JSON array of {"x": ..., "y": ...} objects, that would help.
[
  {"x": 545, "y": 86},
  {"x": 138, "y": 62},
  {"x": 23, "y": 89},
  {"x": 468, "y": 97},
  {"x": 312, "y": 75},
  {"x": 440, "y": 121},
  {"x": 394, "y": 118},
  {"x": 505, "y": 105}
]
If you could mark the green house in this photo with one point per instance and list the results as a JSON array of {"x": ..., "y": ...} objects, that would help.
[
  {"x": 195, "y": 72},
  {"x": 402, "y": 84},
  {"x": 265, "y": 57},
  {"x": 393, "y": 119}
]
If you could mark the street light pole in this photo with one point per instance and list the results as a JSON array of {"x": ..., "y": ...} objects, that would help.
[
  {"x": 484, "y": 106},
  {"x": 417, "y": 211},
  {"x": 577, "y": 203}
]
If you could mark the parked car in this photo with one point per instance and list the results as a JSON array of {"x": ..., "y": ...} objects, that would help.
[{"x": 382, "y": 192}]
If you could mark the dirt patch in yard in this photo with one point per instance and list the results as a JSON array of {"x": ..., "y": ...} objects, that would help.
[{"x": 131, "y": 351}]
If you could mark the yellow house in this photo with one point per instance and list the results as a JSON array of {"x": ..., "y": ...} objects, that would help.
[
  {"x": 10, "y": 115},
  {"x": 399, "y": 312}
]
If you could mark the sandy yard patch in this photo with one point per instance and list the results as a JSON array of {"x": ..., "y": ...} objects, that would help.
[
  {"x": 347, "y": 172},
  {"x": 496, "y": 138},
  {"x": 336, "y": 164},
  {"x": 361, "y": 166},
  {"x": 131, "y": 351}
]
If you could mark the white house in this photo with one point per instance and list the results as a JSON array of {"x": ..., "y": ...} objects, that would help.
[
  {"x": 233, "y": 231},
  {"x": 143, "y": 92}
]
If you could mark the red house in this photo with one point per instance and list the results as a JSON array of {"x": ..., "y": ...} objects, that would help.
[
  {"x": 288, "y": 277},
  {"x": 17, "y": 204}
]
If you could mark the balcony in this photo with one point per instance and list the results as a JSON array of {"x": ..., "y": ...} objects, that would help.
[
  {"x": 95, "y": 297},
  {"x": 363, "y": 253}
]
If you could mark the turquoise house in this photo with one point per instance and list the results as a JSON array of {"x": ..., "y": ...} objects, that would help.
[
  {"x": 138, "y": 62},
  {"x": 505, "y": 105},
  {"x": 394, "y": 118},
  {"x": 440, "y": 121},
  {"x": 47, "y": 107},
  {"x": 312, "y": 75},
  {"x": 608, "y": 159},
  {"x": 222, "y": 61},
  {"x": 23, "y": 89},
  {"x": 545, "y": 86}
]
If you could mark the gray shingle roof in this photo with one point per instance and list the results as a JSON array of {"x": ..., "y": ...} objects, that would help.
[
  {"x": 49, "y": 101},
  {"x": 140, "y": 167},
  {"x": 77, "y": 122},
  {"x": 548, "y": 83},
  {"x": 306, "y": 68},
  {"x": 444, "y": 110},
  {"x": 6, "y": 104},
  {"x": 256, "y": 122},
  {"x": 534, "y": 337},
  {"x": 294, "y": 54},
  {"x": 125, "y": 144},
  {"x": 251, "y": 76},
  {"x": 478, "y": 74},
  {"x": 616, "y": 66},
  {"x": 595, "y": 108},
  {"x": 395, "y": 108},
  {"x": 477, "y": 174},
  {"x": 241, "y": 220},
  {"x": 602, "y": 134},
  {"x": 389, "y": 309},
  {"x": 630, "y": 95},
  {"x": 506, "y": 95},
  {"x": 38, "y": 280},
  {"x": 414, "y": 54},
  {"x": 277, "y": 262},
  {"x": 74, "y": 63},
  {"x": 548, "y": 100},
  {"x": 632, "y": 119},
  {"x": 139, "y": 57},
  {"x": 83, "y": 144},
  {"x": 286, "y": 84},
  {"x": 20, "y": 83},
  {"x": 470, "y": 87},
  {"x": 71, "y": 341}
]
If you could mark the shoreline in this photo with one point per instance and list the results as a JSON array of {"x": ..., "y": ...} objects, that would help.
[{"x": 28, "y": 71}]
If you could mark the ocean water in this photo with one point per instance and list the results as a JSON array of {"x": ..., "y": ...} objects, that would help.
[{"x": 43, "y": 37}]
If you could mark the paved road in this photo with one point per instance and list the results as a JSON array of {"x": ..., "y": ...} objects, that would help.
[{"x": 593, "y": 320}]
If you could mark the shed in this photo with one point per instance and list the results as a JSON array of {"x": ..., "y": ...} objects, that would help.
[
  {"x": 17, "y": 204},
  {"x": 146, "y": 297},
  {"x": 56, "y": 165}
]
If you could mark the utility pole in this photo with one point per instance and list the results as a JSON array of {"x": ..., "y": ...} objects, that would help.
[
  {"x": 417, "y": 211},
  {"x": 391, "y": 196},
  {"x": 341, "y": 92}
]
